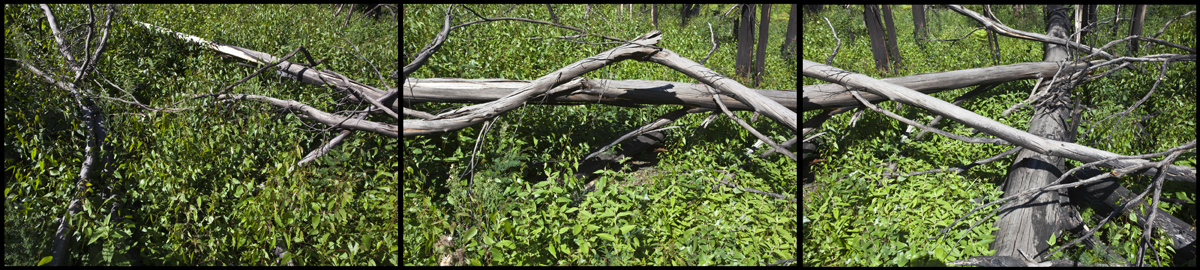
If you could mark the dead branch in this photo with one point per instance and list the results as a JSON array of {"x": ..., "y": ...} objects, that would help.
[
  {"x": 581, "y": 90},
  {"x": 984, "y": 124},
  {"x": 333, "y": 120},
  {"x": 475, "y": 114},
  {"x": 637, "y": 49},
  {"x": 1005, "y": 30},
  {"x": 826, "y": 96},
  {"x": 356, "y": 90}
]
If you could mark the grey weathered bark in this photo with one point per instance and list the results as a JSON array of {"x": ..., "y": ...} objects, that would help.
[
  {"x": 918, "y": 13},
  {"x": 582, "y": 90},
  {"x": 827, "y": 96},
  {"x": 641, "y": 48},
  {"x": 1026, "y": 223},
  {"x": 1009, "y": 32},
  {"x": 1029, "y": 141},
  {"x": 1039, "y": 214},
  {"x": 789, "y": 37},
  {"x": 893, "y": 51},
  {"x": 93, "y": 116},
  {"x": 986, "y": 125},
  {"x": 355, "y": 91},
  {"x": 1135, "y": 29}
]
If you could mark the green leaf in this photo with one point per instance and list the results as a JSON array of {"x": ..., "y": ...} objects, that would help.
[
  {"x": 472, "y": 233},
  {"x": 606, "y": 236},
  {"x": 625, "y": 229},
  {"x": 45, "y": 260}
]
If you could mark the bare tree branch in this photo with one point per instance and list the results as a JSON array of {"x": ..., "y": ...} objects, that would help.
[{"x": 984, "y": 124}]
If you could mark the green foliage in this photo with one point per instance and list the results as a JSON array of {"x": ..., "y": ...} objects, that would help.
[
  {"x": 980, "y": 36},
  {"x": 214, "y": 185},
  {"x": 526, "y": 214},
  {"x": 854, "y": 222}
]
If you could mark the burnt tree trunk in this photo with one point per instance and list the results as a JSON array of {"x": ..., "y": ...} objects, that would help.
[
  {"x": 760, "y": 54},
  {"x": 1025, "y": 224},
  {"x": 875, "y": 31},
  {"x": 789, "y": 38},
  {"x": 892, "y": 49},
  {"x": 745, "y": 42},
  {"x": 918, "y": 13}
]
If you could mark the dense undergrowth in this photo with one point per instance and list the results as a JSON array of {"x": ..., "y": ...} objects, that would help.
[
  {"x": 518, "y": 215},
  {"x": 216, "y": 185},
  {"x": 851, "y": 222}
]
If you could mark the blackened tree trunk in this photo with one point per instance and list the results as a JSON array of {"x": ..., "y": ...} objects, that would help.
[
  {"x": 761, "y": 52},
  {"x": 745, "y": 39},
  {"x": 1139, "y": 18},
  {"x": 789, "y": 39},
  {"x": 918, "y": 22},
  {"x": 875, "y": 32},
  {"x": 893, "y": 50}
]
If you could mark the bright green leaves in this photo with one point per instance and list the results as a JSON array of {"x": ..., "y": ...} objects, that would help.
[{"x": 606, "y": 236}]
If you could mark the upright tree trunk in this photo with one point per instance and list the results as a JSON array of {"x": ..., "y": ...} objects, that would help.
[
  {"x": 918, "y": 12},
  {"x": 745, "y": 39},
  {"x": 1135, "y": 29},
  {"x": 761, "y": 52},
  {"x": 875, "y": 32},
  {"x": 789, "y": 38},
  {"x": 893, "y": 49}
]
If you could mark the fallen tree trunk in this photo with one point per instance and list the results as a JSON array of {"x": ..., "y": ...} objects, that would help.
[
  {"x": 581, "y": 91},
  {"x": 987, "y": 125},
  {"x": 1106, "y": 196},
  {"x": 1025, "y": 224},
  {"x": 642, "y": 48},
  {"x": 829, "y": 96}
]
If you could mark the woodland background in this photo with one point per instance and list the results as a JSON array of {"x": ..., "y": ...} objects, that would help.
[
  {"x": 516, "y": 218},
  {"x": 849, "y": 221},
  {"x": 216, "y": 185}
]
